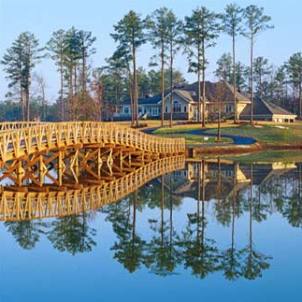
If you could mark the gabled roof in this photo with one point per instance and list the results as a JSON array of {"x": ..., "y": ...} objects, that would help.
[
  {"x": 262, "y": 108},
  {"x": 214, "y": 89},
  {"x": 189, "y": 93},
  {"x": 275, "y": 109},
  {"x": 152, "y": 100},
  {"x": 185, "y": 95}
]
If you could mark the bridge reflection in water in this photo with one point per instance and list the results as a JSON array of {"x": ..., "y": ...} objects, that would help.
[
  {"x": 59, "y": 202},
  {"x": 227, "y": 194}
]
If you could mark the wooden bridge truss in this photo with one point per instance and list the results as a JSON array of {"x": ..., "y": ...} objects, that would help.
[
  {"x": 76, "y": 152},
  {"x": 18, "y": 206}
]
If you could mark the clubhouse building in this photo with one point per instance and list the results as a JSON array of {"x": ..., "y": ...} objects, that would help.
[{"x": 219, "y": 97}]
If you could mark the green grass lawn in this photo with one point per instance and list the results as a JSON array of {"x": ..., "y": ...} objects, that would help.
[
  {"x": 268, "y": 156},
  {"x": 193, "y": 139},
  {"x": 264, "y": 133},
  {"x": 273, "y": 134}
]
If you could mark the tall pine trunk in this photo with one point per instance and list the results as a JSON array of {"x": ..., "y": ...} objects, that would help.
[
  {"x": 27, "y": 104},
  {"x": 162, "y": 85},
  {"x": 22, "y": 107},
  {"x": 171, "y": 85},
  {"x": 70, "y": 94},
  {"x": 203, "y": 86},
  {"x": 251, "y": 80},
  {"x": 62, "y": 109},
  {"x": 300, "y": 101},
  {"x": 84, "y": 71},
  {"x": 75, "y": 80},
  {"x": 130, "y": 83},
  {"x": 199, "y": 89},
  {"x": 135, "y": 101},
  {"x": 235, "y": 83},
  {"x": 219, "y": 122}
]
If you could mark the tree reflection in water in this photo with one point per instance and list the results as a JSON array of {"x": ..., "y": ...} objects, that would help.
[
  {"x": 199, "y": 253},
  {"x": 162, "y": 255},
  {"x": 26, "y": 233},
  {"x": 253, "y": 262},
  {"x": 221, "y": 190},
  {"x": 72, "y": 234},
  {"x": 128, "y": 249}
]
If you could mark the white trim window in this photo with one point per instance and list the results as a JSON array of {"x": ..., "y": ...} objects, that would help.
[
  {"x": 126, "y": 110},
  {"x": 154, "y": 111},
  {"x": 176, "y": 107},
  {"x": 229, "y": 108}
]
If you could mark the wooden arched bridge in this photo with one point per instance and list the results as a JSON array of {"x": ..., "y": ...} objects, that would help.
[
  {"x": 18, "y": 206},
  {"x": 74, "y": 152}
]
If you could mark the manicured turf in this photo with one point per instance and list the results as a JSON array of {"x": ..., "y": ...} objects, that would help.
[
  {"x": 265, "y": 133},
  {"x": 194, "y": 139},
  {"x": 268, "y": 156},
  {"x": 273, "y": 134}
]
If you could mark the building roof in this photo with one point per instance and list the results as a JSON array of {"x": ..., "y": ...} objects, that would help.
[
  {"x": 152, "y": 100},
  {"x": 189, "y": 93},
  {"x": 275, "y": 109},
  {"x": 214, "y": 89},
  {"x": 263, "y": 108},
  {"x": 185, "y": 95}
]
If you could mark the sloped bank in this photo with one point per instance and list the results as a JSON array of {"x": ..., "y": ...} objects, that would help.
[{"x": 237, "y": 149}]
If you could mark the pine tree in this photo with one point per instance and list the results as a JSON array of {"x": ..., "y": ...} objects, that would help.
[
  {"x": 86, "y": 41},
  {"x": 232, "y": 25},
  {"x": 262, "y": 68},
  {"x": 175, "y": 28},
  {"x": 157, "y": 24},
  {"x": 201, "y": 29},
  {"x": 255, "y": 22},
  {"x": 56, "y": 47},
  {"x": 294, "y": 69},
  {"x": 71, "y": 50},
  {"x": 130, "y": 34},
  {"x": 224, "y": 68},
  {"x": 19, "y": 61}
]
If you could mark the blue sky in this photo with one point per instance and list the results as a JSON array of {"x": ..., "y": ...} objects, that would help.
[{"x": 42, "y": 17}]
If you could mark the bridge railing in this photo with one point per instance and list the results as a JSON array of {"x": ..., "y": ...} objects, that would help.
[
  {"x": 25, "y": 141},
  {"x": 17, "y": 125},
  {"x": 15, "y": 206}
]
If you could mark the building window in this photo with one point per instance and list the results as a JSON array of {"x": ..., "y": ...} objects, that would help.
[
  {"x": 185, "y": 108},
  {"x": 228, "y": 108},
  {"x": 176, "y": 107},
  {"x": 126, "y": 110},
  {"x": 154, "y": 111},
  {"x": 166, "y": 108}
]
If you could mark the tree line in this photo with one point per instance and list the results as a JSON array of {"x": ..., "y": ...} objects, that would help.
[{"x": 86, "y": 92}]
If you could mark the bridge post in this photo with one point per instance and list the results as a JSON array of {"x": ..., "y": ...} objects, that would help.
[
  {"x": 20, "y": 173},
  {"x": 60, "y": 167},
  {"x": 99, "y": 162},
  {"x": 42, "y": 171},
  {"x": 74, "y": 166}
]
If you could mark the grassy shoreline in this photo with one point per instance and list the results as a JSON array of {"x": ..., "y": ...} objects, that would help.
[{"x": 264, "y": 133}]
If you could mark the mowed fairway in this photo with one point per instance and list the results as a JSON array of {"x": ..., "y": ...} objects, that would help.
[{"x": 268, "y": 133}]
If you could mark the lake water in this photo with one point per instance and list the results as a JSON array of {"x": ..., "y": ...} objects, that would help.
[{"x": 214, "y": 231}]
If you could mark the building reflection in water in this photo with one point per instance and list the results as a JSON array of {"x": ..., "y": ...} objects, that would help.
[{"x": 223, "y": 191}]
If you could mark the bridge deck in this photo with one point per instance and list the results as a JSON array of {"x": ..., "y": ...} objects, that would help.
[{"x": 23, "y": 139}]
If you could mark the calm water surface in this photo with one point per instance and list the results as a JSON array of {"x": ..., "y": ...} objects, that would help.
[{"x": 215, "y": 231}]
